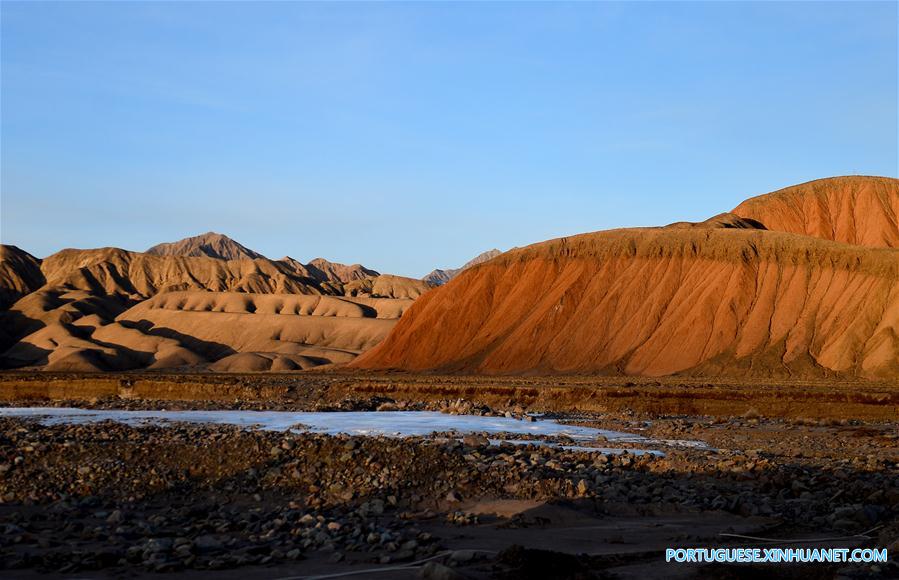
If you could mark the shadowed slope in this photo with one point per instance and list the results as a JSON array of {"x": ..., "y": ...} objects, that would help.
[
  {"x": 20, "y": 273},
  {"x": 187, "y": 311},
  {"x": 387, "y": 286},
  {"x": 178, "y": 329},
  {"x": 329, "y": 328}
]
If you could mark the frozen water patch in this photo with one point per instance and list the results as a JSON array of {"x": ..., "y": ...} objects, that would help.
[
  {"x": 372, "y": 423},
  {"x": 388, "y": 423}
]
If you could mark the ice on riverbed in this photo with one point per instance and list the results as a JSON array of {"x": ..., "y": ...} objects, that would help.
[{"x": 387, "y": 423}]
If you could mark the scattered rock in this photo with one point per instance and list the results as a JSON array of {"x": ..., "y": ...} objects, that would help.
[{"x": 436, "y": 571}]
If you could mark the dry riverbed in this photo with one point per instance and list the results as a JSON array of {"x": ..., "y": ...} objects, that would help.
[{"x": 108, "y": 499}]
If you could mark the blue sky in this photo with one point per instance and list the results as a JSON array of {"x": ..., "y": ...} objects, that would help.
[{"x": 409, "y": 136}]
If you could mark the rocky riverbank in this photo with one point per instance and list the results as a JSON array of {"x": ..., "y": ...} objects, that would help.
[{"x": 179, "y": 498}]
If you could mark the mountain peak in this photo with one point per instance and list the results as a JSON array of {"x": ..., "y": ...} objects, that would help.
[
  {"x": 326, "y": 270},
  {"x": 441, "y": 276},
  {"x": 210, "y": 244},
  {"x": 481, "y": 258}
]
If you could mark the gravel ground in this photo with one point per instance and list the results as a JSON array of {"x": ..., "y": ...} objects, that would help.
[{"x": 122, "y": 500}]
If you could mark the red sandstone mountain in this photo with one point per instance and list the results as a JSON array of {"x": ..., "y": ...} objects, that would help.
[
  {"x": 727, "y": 296},
  {"x": 854, "y": 210}
]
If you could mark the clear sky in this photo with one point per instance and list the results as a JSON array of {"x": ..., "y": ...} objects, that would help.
[{"x": 408, "y": 136}]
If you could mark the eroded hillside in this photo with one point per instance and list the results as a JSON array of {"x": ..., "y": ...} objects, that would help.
[
  {"x": 721, "y": 297},
  {"x": 110, "y": 309}
]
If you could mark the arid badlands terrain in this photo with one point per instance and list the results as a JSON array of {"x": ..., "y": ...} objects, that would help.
[
  {"x": 568, "y": 409},
  {"x": 202, "y": 303},
  {"x": 798, "y": 283}
]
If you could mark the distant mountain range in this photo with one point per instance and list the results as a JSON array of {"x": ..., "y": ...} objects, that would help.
[
  {"x": 220, "y": 246},
  {"x": 440, "y": 277},
  {"x": 204, "y": 302}
]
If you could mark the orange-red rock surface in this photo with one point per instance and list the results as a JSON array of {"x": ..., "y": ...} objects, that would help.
[
  {"x": 854, "y": 210},
  {"x": 722, "y": 297}
]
